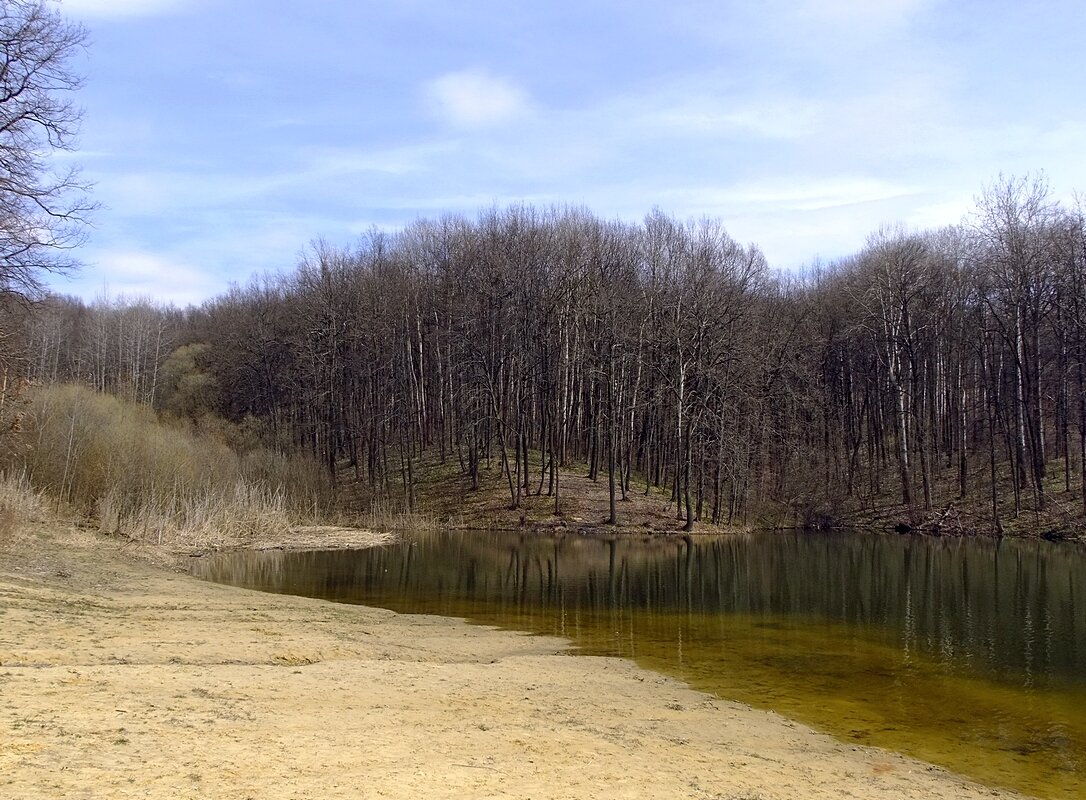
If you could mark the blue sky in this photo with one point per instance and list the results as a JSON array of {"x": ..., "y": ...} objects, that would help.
[{"x": 223, "y": 136}]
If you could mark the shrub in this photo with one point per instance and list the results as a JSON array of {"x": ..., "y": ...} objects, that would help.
[{"x": 115, "y": 462}]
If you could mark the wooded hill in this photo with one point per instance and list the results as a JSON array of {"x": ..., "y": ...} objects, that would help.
[{"x": 934, "y": 378}]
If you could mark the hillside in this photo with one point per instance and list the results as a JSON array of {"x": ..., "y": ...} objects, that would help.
[{"x": 444, "y": 497}]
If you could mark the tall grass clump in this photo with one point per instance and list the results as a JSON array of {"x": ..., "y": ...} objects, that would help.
[
  {"x": 384, "y": 515},
  {"x": 116, "y": 463},
  {"x": 19, "y": 503}
]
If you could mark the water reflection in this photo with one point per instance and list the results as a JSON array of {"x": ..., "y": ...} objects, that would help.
[
  {"x": 1007, "y": 606},
  {"x": 966, "y": 652}
]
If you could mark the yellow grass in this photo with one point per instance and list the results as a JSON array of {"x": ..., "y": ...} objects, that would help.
[{"x": 114, "y": 462}]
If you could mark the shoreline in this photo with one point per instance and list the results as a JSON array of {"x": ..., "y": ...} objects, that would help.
[{"x": 119, "y": 677}]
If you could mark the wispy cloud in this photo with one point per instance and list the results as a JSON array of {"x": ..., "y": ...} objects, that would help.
[
  {"x": 476, "y": 98},
  {"x": 707, "y": 114},
  {"x": 306, "y": 172},
  {"x": 119, "y": 9},
  {"x": 794, "y": 194},
  {"x": 392, "y": 160},
  {"x": 862, "y": 15},
  {"x": 135, "y": 273},
  {"x": 797, "y": 218}
]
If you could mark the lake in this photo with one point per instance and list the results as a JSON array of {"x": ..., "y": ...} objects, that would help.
[{"x": 969, "y": 653}]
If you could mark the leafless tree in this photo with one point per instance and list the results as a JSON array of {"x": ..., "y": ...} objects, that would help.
[{"x": 43, "y": 209}]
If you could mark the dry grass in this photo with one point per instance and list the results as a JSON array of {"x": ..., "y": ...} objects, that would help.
[
  {"x": 19, "y": 503},
  {"x": 387, "y": 516},
  {"x": 117, "y": 464},
  {"x": 21, "y": 500}
]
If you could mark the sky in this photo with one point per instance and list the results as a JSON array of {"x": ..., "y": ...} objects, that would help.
[{"x": 223, "y": 137}]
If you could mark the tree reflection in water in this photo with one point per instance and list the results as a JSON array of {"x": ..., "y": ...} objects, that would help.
[{"x": 967, "y": 652}]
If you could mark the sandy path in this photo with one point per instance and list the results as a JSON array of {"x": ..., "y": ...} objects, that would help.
[{"x": 120, "y": 679}]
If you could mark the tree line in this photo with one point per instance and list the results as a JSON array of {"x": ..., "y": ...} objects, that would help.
[{"x": 942, "y": 370}]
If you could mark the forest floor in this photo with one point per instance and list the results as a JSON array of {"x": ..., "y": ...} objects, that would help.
[
  {"x": 952, "y": 514},
  {"x": 584, "y": 505},
  {"x": 123, "y": 677},
  {"x": 444, "y": 499}
]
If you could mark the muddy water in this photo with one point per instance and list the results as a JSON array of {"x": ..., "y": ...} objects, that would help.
[{"x": 966, "y": 653}]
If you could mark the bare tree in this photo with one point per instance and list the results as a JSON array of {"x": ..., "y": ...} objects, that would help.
[
  {"x": 537, "y": 342},
  {"x": 1014, "y": 223},
  {"x": 42, "y": 210}
]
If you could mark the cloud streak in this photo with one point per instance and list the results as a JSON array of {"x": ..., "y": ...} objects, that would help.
[{"x": 122, "y": 9}]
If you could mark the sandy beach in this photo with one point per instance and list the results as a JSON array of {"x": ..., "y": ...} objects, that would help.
[{"x": 122, "y": 677}]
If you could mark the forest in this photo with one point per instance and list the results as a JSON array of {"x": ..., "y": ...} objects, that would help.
[{"x": 935, "y": 379}]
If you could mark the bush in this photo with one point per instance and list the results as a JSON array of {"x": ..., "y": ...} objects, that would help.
[{"x": 115, "y": 462}]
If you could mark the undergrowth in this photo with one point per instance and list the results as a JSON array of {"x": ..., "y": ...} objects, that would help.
[
  {"x": 173, "y": 483},
  {"x": 19, "y": 503}
]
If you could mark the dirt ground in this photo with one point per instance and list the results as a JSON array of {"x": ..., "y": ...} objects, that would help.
[{"x": 121, "y": 677}]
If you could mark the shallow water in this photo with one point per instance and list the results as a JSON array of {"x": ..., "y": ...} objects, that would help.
[{"x": 967, "y": 653}]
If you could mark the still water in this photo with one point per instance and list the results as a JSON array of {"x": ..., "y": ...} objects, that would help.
[{"x": 967, "y": 653}]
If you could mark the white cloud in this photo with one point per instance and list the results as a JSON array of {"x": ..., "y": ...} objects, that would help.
[
  {"x": 475, "y": 98},
  {"x": 136, "y": 273},
  {"x": 948, "y": 208},
  {"x": 117, "y": 9}
]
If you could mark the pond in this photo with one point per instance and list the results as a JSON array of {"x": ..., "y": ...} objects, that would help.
[{"x": 969, "y": 653}]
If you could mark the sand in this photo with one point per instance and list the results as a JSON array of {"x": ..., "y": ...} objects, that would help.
[{"x": 121, "y": 677}]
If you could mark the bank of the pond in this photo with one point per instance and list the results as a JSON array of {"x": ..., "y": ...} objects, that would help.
[{"x": 119, "y": 678}]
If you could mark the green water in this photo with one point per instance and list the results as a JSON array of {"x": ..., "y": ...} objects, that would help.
[{"x": 967, "y": 653}]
